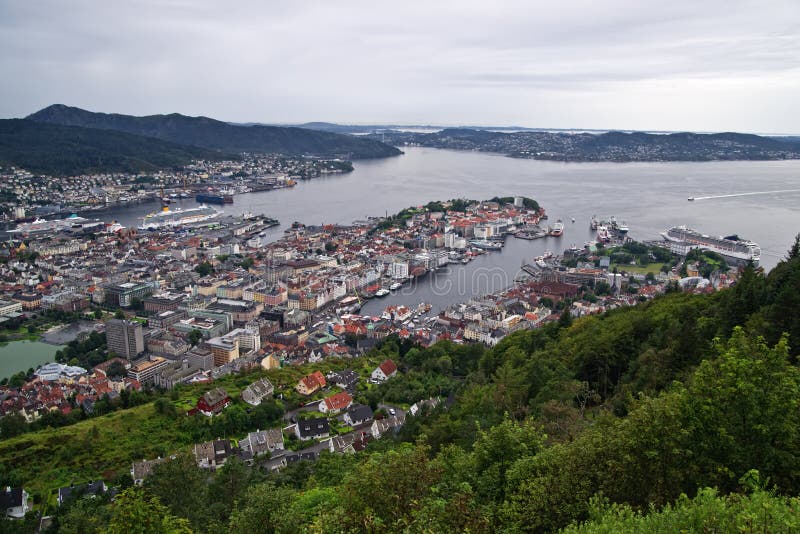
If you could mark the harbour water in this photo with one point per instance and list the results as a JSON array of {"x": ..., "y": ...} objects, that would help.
[{"x": 650, "y": 197}]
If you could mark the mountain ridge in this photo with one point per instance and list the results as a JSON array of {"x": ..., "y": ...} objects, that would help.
[{"x": 208, "y": 133}]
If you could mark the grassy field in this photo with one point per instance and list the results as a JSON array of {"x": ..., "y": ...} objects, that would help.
[{"x": 106, "y": 446}]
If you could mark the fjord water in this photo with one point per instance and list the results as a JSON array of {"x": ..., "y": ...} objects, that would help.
[{"x": 650, "y": 197}]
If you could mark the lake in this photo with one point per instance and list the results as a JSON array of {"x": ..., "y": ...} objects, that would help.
[
  {"x": 650, "y": 197},
  {"x": 17, "y": 356}
]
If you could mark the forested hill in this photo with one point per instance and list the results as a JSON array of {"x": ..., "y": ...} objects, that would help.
[
  {"x": 70, "y": 150},
  {"x": 217, "y": 135},
  {"x": 609, "y": 146}
]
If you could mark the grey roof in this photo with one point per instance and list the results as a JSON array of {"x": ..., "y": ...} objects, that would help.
[
  {"x": 309, "y": 428},
  {"x": 90, "y": 488},
  {"x": 359, "y": 412}
]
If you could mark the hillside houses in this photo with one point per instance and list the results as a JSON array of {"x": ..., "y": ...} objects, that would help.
[
  {"x": 257, "y": 391},
  {"x": 384, "y": 371},
  {"x": 336, "y": 403},
  {"x": 310, "y": 384}
]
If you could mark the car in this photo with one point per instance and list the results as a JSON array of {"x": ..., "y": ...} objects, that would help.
[{"x": 392, "y": 411}]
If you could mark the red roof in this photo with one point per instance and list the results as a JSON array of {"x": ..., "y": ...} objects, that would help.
[
  {"x": 339, "y": 401},
  {"x": 388, "y": 367}
]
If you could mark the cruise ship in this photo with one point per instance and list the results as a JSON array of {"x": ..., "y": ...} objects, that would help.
[
  {"x": 72, "y": 223},
  {"x": 732, "y": 248},
  {"x": 170, "y": 218}
]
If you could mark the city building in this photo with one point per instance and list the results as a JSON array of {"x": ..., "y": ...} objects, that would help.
[{"x": 125, "y": 338}]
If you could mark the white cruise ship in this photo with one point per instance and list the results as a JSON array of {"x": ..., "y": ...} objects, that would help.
[
  {"x": 733, "y": 248},
  {"x": 170, "y": 218}
]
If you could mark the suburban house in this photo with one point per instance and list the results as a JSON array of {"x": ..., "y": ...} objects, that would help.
[
  {"x": 90, "y": 489},
  {"x": 311, "y": 383},
  {"x": 347, "y": 379},
  {"x": 15, "y": 502},
  {"x": 335, "y": 403},
  {"x": 262, "y": 442},
  {"x": 358, "y": 414},
  {"x": 142, "y": 470},
  {"x": 382, "y": 426},
  {"x": 257, "y": 391},
  {"x": 424, "y": 405},
  {"x": 384, "y": 371},
  {"x": 213, "y": 454},
  {"x": 213, "y": 402},
  {"x": 349, "y": 443},
  {"x": 312, "y": 429}
]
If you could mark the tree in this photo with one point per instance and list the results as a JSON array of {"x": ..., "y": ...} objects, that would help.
[
  {"x": 134, "y": 511},
  {"x": 181, "y": 486},
  {"x": 204, "y": 268},
  {"x": 116, "y": 370},
  {"x": 195, "y": 336}
]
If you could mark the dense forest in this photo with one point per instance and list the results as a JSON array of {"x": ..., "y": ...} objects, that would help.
[
  {"x": 680, "y": 414},
  {"x": 217, "y": 135}
]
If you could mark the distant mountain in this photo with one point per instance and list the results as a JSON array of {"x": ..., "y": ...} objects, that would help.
[
  {"x": 218, "y": 135},
  {"x": 608, "y": 146},
  {"x": 69, "y": 150}
]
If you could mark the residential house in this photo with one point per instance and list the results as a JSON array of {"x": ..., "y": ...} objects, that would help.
[
  {"x": 358, "y": 414},
  {"x": 311, "y": 383},
  {"x": 312, "y": 429},
  {"x": 336, "y": 403},
  {"x": 262, "y": 442},
  {"x": 213, "y": 454},
  {"x": 213, "y": 402},
  {"x": 90, "y": 489},
  {"x": 15, "y": 502},
  {"x": 347, "y": 379},
  {"x": 382, "y": 426},
  {"x": 257, "y": 391},
  {"x": 143, "y": 469},
  {"x": 384, "y": 371},
  {"x": 349, "y": 443},
  {"x": 424, "y": 406}
]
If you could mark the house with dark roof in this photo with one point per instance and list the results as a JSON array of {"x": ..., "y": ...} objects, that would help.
[
  {"x": 90, "y": 489},
  {"x": 213, "y": 402},
  {"x": 15, "y": 502},
  {"x": 358, "y": 414},
  {"x": 312, "y": 429},
  {"x": 347, "y": 379},
  {"x": 336, "y": 402},
  {"x": 384, "y": 371}
]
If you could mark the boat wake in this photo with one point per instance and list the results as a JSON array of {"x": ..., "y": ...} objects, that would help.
[{"x": 746, "y": 194}]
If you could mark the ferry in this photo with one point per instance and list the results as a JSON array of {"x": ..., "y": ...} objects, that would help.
[
  {"x": 170, "y": 218},
  {"x": 558, "y": 229},
  {"x": 214, "y": 199},
  {"x": 486, "y": 245},
  {"x": 731, "y": 247}
]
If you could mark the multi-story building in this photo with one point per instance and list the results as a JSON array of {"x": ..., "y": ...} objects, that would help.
[
  {"x": 224, "y": 349},
  {"x": 122, "y": 295},
  {"x": 145, "y": 370},
  {"x": 124, "y": 338},
  {"x": 10, "y": 307}
]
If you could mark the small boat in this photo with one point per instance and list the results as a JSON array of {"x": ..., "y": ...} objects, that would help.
[
  {"x": 382, "y": 292},
  {"x": 690, "y": 199},
  {"x": 395, "y": 286},
  {"x": 572, "y": 219}
]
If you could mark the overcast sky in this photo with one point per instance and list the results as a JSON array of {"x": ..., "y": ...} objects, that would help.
[{"x": 703, "y": 65}]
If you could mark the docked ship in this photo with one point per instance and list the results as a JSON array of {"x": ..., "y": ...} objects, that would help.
[
  {"x": 486, "y": 245},
  {"x": 558, "y": 229},
  {"x": 603, "y": 235},
  {"x": 170, "y": 218},
  {"x": 72, "y": 223},
  {"x": 683, "y": 239},
  {"x": 212, "y": 198}
]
